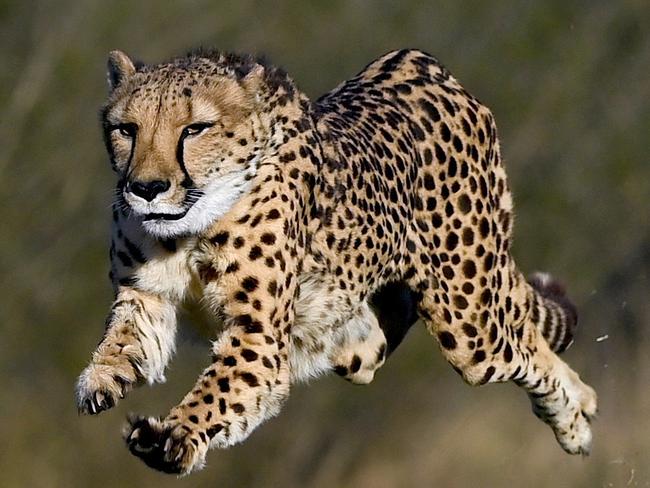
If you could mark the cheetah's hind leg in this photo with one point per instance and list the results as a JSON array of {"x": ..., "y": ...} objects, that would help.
[{"x": 372, "y": 334}]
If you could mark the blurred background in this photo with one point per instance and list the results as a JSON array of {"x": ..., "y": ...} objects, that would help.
[{"x": 569, "y": 83}]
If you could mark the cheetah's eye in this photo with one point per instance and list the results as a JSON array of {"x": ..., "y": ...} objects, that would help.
[
  {"x": 127, "y": 130},
  {"x": 196, "y": 129}
]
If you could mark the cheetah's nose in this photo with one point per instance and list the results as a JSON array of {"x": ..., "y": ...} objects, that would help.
[{"x": 148, "y": 189}]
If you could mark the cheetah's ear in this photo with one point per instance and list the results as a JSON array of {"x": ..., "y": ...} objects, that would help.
[
  {"x": 120, "y": 67},
  {"x": 254, "y": 79}
]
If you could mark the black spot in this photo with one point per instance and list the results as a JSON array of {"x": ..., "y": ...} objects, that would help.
[
  {"x": 250, "y": 283},
  {"x": 448, "y": 272},
  {"x": 250, "y": 325},
  {"x": 428, "y": 157},
  {"x": 268, "y": 238},
  {"x": 470, "y": 330},
  {"x": 449, "y": 107},
  {"x": 255, "y": 253},
  {"x": 489, "y": 372},
  {"x": 489, "y": 261},
  {"x": 460, "y": 301},
  {"x": 410, "y": 245},
  {"x": 212, "y": 431},
  {"x": 430, "y": 109},
  {"x": 493, "y": 333},
  {"x": 249, "y": 355},
  {"x": 452, "y": 241},
  {"x": 224, "y": 385},
  {"x": 272, "y": 288},
  {"x": 468, "y": 236},
  {"x": 256, "y": 220},
  {"x": 464, "y": 203},
  {"x": 267, "y": 362},
  {"x": 469, "y": 269},
  {"x": 484, "y": 227},
  {"x": 249, "y": 378},
  {"x": 221, "y": 238},
  {"x": 440, "y": 153},
  {"x": 479, "y": 356},
  {"x": 429, "y": 182},
  {"x": 458, "y": 145},
  {"x": 445, "y": 133},
  {"x": 507, "y": 353},
  {"x": 403, "y": 88},
  {"x": 447, "y": 340}
]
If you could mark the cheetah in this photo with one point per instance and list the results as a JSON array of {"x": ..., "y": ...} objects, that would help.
[{"x": 314, "y": 235}]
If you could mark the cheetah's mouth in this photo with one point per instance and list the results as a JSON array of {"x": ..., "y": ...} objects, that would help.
[
  {"x": 166, "y": 216},
  {"x": 191, "y": 198}
]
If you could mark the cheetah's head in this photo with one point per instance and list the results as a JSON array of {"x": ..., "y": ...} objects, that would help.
[{"x": 184, "y": 137}]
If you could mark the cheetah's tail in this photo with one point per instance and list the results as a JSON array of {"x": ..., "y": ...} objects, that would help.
[{"x": 553, "y": 313}]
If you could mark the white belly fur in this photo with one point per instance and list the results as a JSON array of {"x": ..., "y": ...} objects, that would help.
[{"x": 326, "y": 323}]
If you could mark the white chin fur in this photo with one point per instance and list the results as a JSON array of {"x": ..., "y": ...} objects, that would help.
[{"x": 218, "y": 197}]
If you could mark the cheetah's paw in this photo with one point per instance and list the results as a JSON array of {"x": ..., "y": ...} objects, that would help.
[
  {"x": 167, "y": 446},
  {"x": 100, "y": 387},
  {"x": 574, "y": 433},
  {"x": 571, "y": 421}
]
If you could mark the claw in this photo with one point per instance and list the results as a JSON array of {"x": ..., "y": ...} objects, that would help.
[
  {"x": 99, "y": 400},
  {"x": 135, "y": 435},
  {"x": 178, "y": 457}
]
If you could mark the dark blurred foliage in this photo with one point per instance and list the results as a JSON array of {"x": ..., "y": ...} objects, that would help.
[{"x": 569, "y": 84}]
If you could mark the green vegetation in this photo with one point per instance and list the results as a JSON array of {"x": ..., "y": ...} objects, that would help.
[{"x": 570, "y": 87}]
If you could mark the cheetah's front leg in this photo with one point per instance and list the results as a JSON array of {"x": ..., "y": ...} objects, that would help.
[
  {"x": 249, "y": 377},
  {"x": 245, "y": 385},
  {"x": 136, "y": 347}
]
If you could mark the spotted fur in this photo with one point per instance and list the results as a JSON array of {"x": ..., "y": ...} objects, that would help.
[{"x": 318, "y": 233}]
